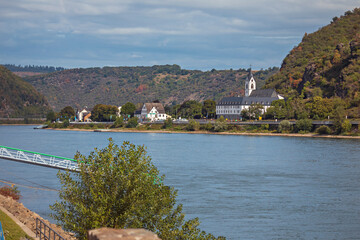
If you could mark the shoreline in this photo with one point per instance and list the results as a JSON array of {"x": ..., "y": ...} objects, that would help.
[{"x": 308, "y": 135}]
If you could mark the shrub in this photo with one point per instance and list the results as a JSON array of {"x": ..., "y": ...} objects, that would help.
[
  {"x": 119, "y": 122},
  {"x": 303, "y": 125},
  {"x": 168, "y": 123},
  {"x": 323, "y": 130},
  {"x": 220, "y": 125},
  {"x": 193, "y": 125},
  {"x": 207, "y": 127},
  {"x": 346, "y": 126},
  {"x": 65, "y": 124},
  {"x": 284, "y": 126},
  {"x": 12, "y": 192},
  {"x": 132, "y": 123},
  {"x": 265, "y": 126}
]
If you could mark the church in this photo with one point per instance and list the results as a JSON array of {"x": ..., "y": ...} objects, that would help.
[{"x": 231, "y": 107}]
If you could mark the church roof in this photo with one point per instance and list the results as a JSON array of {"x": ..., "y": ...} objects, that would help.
[
  {"x": 264, "y": 93},
  {"x": 265, "y": 101}
]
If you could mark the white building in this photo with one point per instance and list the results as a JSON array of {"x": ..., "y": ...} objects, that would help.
[
  {"x": 83, "y": 115},
  {"x": 152, "y": 112},
  {"x": 250, "y": 84},
  {"x": 231, "y": 107}
]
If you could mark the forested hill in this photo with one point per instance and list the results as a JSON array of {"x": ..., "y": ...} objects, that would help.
[
  {"x": 117, "y": 85},
  {"x": 31, "y": 70},
  {"x": 325, "y": 64},
  {"x": 19, "y": 98}
]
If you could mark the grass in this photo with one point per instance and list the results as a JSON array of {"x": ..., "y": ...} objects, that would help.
[{"x": 12, "y": 231}]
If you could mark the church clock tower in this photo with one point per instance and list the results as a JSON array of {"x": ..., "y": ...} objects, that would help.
[{"x": 250, "y": 84}]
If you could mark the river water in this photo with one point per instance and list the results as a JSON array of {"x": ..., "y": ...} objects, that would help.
[{"x": 240, "y": 187}]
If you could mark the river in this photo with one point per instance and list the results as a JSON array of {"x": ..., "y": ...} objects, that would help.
[{"x": 240, "y": 187}]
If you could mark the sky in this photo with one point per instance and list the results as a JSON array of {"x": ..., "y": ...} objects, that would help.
[{"x": 195, "y": 34}]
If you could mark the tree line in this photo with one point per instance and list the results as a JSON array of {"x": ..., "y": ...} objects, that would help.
[{"x": 32, "y": 68}]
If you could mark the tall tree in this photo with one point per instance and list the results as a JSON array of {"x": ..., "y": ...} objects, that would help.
[
  {"x": 128, "y": 109},
  {"x": 67, "y": 113},
  {"x": 190, "y": 109},
  {"x": 119, "y": 187},
  {"x": 103, "y": 113},
  {"x": 209, "y": 108}
]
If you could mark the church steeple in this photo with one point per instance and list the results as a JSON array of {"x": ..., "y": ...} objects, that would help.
[{"x": 250, "y": 84}]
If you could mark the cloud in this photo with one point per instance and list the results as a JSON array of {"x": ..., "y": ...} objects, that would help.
[{"x": 161, "y": 31}]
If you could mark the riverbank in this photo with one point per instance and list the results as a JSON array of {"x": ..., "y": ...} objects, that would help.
[
  {"x": 27, "y": 217},
  {"x": 312, "y": 135}
]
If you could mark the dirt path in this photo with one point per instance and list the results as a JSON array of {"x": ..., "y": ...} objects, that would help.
[{"x": 27, "y": 217}]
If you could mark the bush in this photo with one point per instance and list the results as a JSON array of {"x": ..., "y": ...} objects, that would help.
[
  {"x": 207, "y": 127},
  {"x": 193, "y": 125},
  {"x": 168, "y": 123},
  {"x": 119, "y": 122},
  {"x": 284, "y": 126},
  {"x": 323, "y": 130},
  {"x": 12, "y": 192},
  {"x": 265, "y": 126},
  {"x": 303, "y": 125},
  {"x": 220, "y": 125},
  {"x": 346, "y": 126},
  {"x": 132, "y": 123},
  {"x": 65, "y": 124}
]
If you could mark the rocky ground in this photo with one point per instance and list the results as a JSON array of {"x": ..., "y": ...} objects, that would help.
[{"x": 28, "y": 218}]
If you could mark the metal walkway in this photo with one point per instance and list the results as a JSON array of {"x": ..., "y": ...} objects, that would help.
[{"x": 36, "y": 158}]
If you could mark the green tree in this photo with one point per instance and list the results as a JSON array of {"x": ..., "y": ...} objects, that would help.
[
  {"x": 132, "y": 122},
  {"x": 277, "y": 110},
  {"x": 51, "y": 116},
  {"x": 338, "y": 114},
  {"x": 103, "y": 113},
  {"x": 220, "y": 125},
  {"x": 319, "y": 108},
  {"x": 119, "y": 122},
  {"x": 67, "y": 113},
  {"x": 119, "y": 187},
  {"x": 168, "y": 123},
  {"x": 256, "y": 110},
  {"x": 284, "y": 126},
  {"x": 304, "y": 125},
  {"x": 209, "y": 109},
  {"x": 245, "y": 114},
  {"x": 128, "y": 109},
  {"x": 346, "y": 126},
  {"x": 190, "y": 109},
  {"x": 193, "y": 125},
  {"x": 323, "y": 130}
]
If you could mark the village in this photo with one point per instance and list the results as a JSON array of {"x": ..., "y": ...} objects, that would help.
[{"x": 230, "y": 108}]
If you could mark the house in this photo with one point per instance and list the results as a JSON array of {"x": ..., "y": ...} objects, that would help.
[
  {"x": 137, "y": 113},
  {"x": 118, "y": 112},
  {"x": 231, "y": 107},
  {"x": 152, "y": 112},
  {"x": 84, "y": 115}
]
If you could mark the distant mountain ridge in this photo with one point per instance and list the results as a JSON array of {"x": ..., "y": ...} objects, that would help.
[
  {"x": 325, "y": 64},
  {"x": 117, "y": 85},
  {"x": 18, "y": 98},
  {"x": 31, "y": 70}
]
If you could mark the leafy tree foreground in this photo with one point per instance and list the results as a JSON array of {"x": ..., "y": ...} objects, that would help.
[{"x": 119, "y": 187}]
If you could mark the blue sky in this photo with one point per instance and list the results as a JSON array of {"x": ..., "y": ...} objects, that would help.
[{"x": 195, "y": 34}]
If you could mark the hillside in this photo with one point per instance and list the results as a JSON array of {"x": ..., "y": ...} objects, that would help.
[
  {"x": 117, "y": 85},
  {"x": 19, "y": 98},
  {"x": 325, "y": 64}
]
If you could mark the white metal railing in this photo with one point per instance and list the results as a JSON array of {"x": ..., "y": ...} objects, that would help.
[{"x": 38, "y": 158}]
